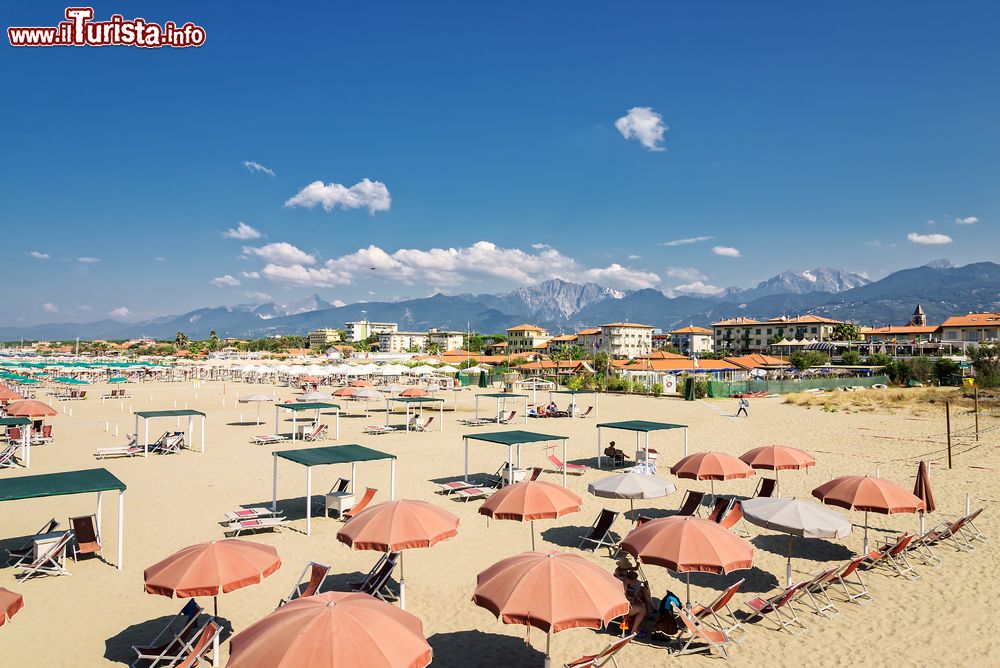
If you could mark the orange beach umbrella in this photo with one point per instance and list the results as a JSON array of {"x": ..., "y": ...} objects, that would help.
[
  {"x": 10, "y": 603},
  {"x": 711, "y": 466},
  {"x": 529, "y": 501},
  {"x": 875, "y": 495},
  {"x": 29, "y": 408},
  {"x": 778, "y": 458}
]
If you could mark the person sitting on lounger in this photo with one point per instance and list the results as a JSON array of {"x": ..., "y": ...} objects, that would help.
[
  {"x": 541, "y": 412},
  {"x": 639, "y": 600},
  {"x": 617, "y": 456}
]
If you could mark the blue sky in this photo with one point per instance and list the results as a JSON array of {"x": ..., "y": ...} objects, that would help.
[{"x": 844, "y": 135}]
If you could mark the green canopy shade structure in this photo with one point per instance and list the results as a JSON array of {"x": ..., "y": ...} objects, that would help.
[
  {"x": 298, "y": 407},
  {"x": 641, "y": 428},
  {"x": 514, "y": 440},
  {"x": 572, "y": 402},
  {"x": 118, "y": 379},
  {"x": 25, "y": 424},
  {"x": 418, "y": 403},
  {"x": 178, "y": 413},
  {"x": 69, "y": 482},
  {"x": 502, "y": 398},
  {"x": 351, "y": 453}
]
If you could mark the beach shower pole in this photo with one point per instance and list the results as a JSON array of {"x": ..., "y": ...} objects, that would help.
[
  {"x": 975, "y": 390},
  {"x": 947, "y": 422}
]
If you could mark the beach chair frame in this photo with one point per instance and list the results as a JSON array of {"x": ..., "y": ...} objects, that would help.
[
  {"x": 784, "y": 614},
  {"x": 52, "y": 562},
  {"x": 317, "y": 575},
  {"x": 167, "y": 639},
  {"x": 854, "y": 592},
  {"x": 16, "y": 556},
  {"x": 603, "y": 657},
  {"x": 600, "y": 534}
]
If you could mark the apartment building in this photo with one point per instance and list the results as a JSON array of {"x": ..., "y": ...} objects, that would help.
[
  {"x": 446, "y": 340},
  {"x": 626, "y": 339},
  {"x": 743, "y": 336},
  {"x": 525, "y": 338},
  {"x": 692, "y": 340},
  {"x": 321, "y": 339},
  {"x": 362, "y": 329},
  {"x": 971, "y": 328},
  {"x": 589, "y": 339},
  {"x": 402, "y": 342}
]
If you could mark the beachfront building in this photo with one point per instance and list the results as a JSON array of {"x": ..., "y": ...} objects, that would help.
[
  {"x": 360, "y": 330},
  {"x": 900, "y": 334},
  {"x": 402, "y": 342},
  {"x": 691, "y": 340},
  {"x": 525, "y": 339},
  {"x": 974, "y": 328},
  {"x": 743, "y": 336},
  {"x": 589, "y": 339},
  {"x": 626, "y": 339},
  {"x": 321, "y": 339},
  {"x": 735, "y": 335},
  {"x": 446, "y": 340}
]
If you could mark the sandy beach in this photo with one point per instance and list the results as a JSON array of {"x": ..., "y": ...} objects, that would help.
[{"x": 92, "y": 617}]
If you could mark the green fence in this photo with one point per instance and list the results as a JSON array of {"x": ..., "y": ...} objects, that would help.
[{"x": 724, "y": 389}]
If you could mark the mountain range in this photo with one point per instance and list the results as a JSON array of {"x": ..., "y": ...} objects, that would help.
[{"x": 562, "y": 306}]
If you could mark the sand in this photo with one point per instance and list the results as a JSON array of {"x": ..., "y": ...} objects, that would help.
[{"x": 92, "y": 617}]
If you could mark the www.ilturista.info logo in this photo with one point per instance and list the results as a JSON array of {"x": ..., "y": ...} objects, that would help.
[{"x": 81, "y": 30}]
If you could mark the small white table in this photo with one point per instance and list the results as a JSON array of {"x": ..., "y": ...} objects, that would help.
[
  {"x": 519, "y": 475},
  {"x": 339, "y": 501},
  {"x": 44, "y": 543}
]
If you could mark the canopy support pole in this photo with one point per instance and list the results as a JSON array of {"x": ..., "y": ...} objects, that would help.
[
  {"x": 525, "y": 414},
  {"x": 274, "y": 487},
  {"x": 309, "y": 489},
  {"x": 26, "y": 446},
  {"x": 99, "y": 513},
  {"x": 295, "y": 424},
  {"x": 121, "y": 525},
  {"x": 510, "y": 464},
  {"x": 647, "y": 451},
  {"x": 465, "y": 441},
  {"x": 477, "y": 406},
  {"x": 145, "y": 423},
  {"x": 518, "y": 455},
  {"x": 354, "y": 474},
  {"x": 276, "y": 409},
  {"x": 564, "y": 462},
  {"x": 189, "y": 436},
  {"x": 685, "y": 441},
  {"x": 598, "y": 447},
  {"x": 392, "y": 483},
  {"x": 202, "y": 434}
]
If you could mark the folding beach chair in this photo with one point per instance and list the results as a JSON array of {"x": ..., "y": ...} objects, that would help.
[
  {"x": 536, "y": 472},
  {"x": 734, "y": 519},
  {"x": 815, "y": 591},
  {"x": 587, "y": 412},
  {"x": 377, "y": 582},
  {"x": 781, "y": 608},
  {"x": 8, "y": 455},
  {"x": 259, "y": 524},
  {"x": 197, "y": 648},
  {"x": 575, "y": 469},
  {"x": 765, "y": 488},
  {"x": 600, "y": 534},
  {"x": 16, "y": 556},
  {"x": 722, "y": 505},
  {"x": 88, "y": 537},
  {"x": 422, "y": 426},
  {"x": 895, "y": 557},
  {"x": 169, "y": 642},
  {"x": 49, "y": 563},
  {"x": 970, "y": 530},
  {"x": 691, "y": 503},
  {"x": 507, "y": 419},
  {"x": 317, "y": 574},
  {"x": 602, "y": 657},
  {"x": 43, "y": 436},
  {"x": 701, "y": 638},
  {"x": 14, "y": 434},
  {"x": 854, "y": 591},
  {"x": 319, "y": 433},
  {"x": 360, "y": 505},
  {"x": 711, "y": 614},
  {"x": 171, "y": 443}
]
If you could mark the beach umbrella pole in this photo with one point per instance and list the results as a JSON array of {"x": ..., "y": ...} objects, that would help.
[
  {"x": 402, "y": 583},
  {"x": 788, "y": 566},
  {"x": 532, "y": 535},
  {"x": 548, "y": 648},
  {"x": 866, "y": 533}
]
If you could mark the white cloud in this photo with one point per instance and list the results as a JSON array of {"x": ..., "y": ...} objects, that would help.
[
  {"x": 874, "y": 242},
  {"x": 540, "y": 246},
  {"x": 38, "y": 255},
  {"x": 242, "y": 231},
  {"x": 226, "y": 281},
  {"x": 644, "y": 124},
  {"x": 451, "y": 267},
  {"x": 685, "y": 242},
  {"x": 159, "y": 259},
  {"x": 929, "y": 239},
  {"x": 88, "y": 260},
  {"x": 249, "y": 274},
  {"x": 726, "y": 251},
  {"x": 339, "y": 303},
  {"x": 120, "y": 312},
  {"x": 686, "y": 274},
  {"x": 258, "y": 296},
  {"x": 281, "y": 253},
  {"x": 697, "y": 288},
  {"x": 49, "y": 307},
  {"x": 634, "y": 257},
  {"x": 257, "y": 167},
  {"x": 371, "y": 195},
  {"x": 968, "y": 220}
]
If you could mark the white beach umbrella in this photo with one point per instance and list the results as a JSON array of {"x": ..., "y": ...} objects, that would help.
[
  {"x": 258, "y": 399},
  {"x": 447, "y": 369},
  {"x": 315, "y": 396},
  {"x": 796, "y": 518},
  {"x": 631, "y": 486}
]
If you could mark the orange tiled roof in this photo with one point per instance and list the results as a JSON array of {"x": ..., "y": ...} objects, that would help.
[
  {"x": 802, "y": 319},
  {"x": 525, "y": 328},
  {"x": 691, "y": 330},
  {"x": 627, "y": 324},
  {"x": 900, "y": 329},
  {"x": 736, "y": 321},
  {"x": 973, "y": 320},
  {"x": 756, "y": 361},
  {"x": 590, "y": 331}
]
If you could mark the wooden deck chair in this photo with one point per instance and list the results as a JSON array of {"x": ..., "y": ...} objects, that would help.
[
  {"x": 691, "y": 503},
  {"x": 700, "y": 638},
  {"x": 360, "y": 505},
  {"x": 536, "y": 472},
  {"x": 49, "y": 563},
  {"x": 600, "y": 534},
  {"x": 17, "y": 555},
  {"x": 8, "y": 455},
  {"x": 711, "y": 614},
  {"x": 168, "y": 643},
  {"x": 780, "y": 608},
  {"x": 198, "y": 647},
  {"x": 573, "y": 469},
  {"x": 855, "y": 591},
  {"x": 236, "y": 527},
  {"x": 722, "y": 505},
  {"x": 602, "y": 657},
  {"x": 765, "y": 488},
  {"x": 815, "y": 591},
  {"x": 317, "y": 574},
  {"x": 734, "y": 519},
  {"x": 88, "y": 537}
]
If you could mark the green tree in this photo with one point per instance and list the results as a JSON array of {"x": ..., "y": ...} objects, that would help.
[
  {"x": 804, "y": 359},
  {"x": 774, "y": 339},
  {"x": 986, "y": 361},
  {"x": 851, "y": 358},
  {"x": 945, "y": 370},
  {"x": 601, "y": 362},
  {"x": 846, "y": 331},
  {"x": 181, "y": 339},
  {"x": 432, "y": 348}
]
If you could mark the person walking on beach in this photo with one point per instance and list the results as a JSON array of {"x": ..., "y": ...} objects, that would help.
[{"x": 744, "y": 405}]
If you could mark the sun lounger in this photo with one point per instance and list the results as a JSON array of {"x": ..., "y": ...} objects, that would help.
[
  {"x": 454, "y": 486},
  {"x": 16, "y": 556},
  {"x": 477, "y": 422},
  {"x": 88, "y": 537},
  {"x": 600, "y": 534},
  {"x": 780, "y": 608},
  {"x": 267, "y": 439},
  {"x": 855, "y": 591},
  {"x": 470, "y": 493},
  {"x": 815, "y": 590},
  {"x": 130, "y": 449},
  {"x": 701, "y": 638},
  {"x": 360, "y": 505},
  {"x": 575, "y": 469},
  {"x": 43, "y": 436},
  {"x": 712, "y": 613},
  {"x": 602, "y": 657},
  {"x": 8, "y": 455},
  {"x": 765, "y": 488},
  {"x": 691, "y": 504},
  {"x": 378, "y": 429},
  {"x": 257, "y": 524},
  {"x": 317, "y": 574},
  {"x": 248, "y": 514},
  {"x": 49, "y": 563},
  {"x": 168, "y": 643}
]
